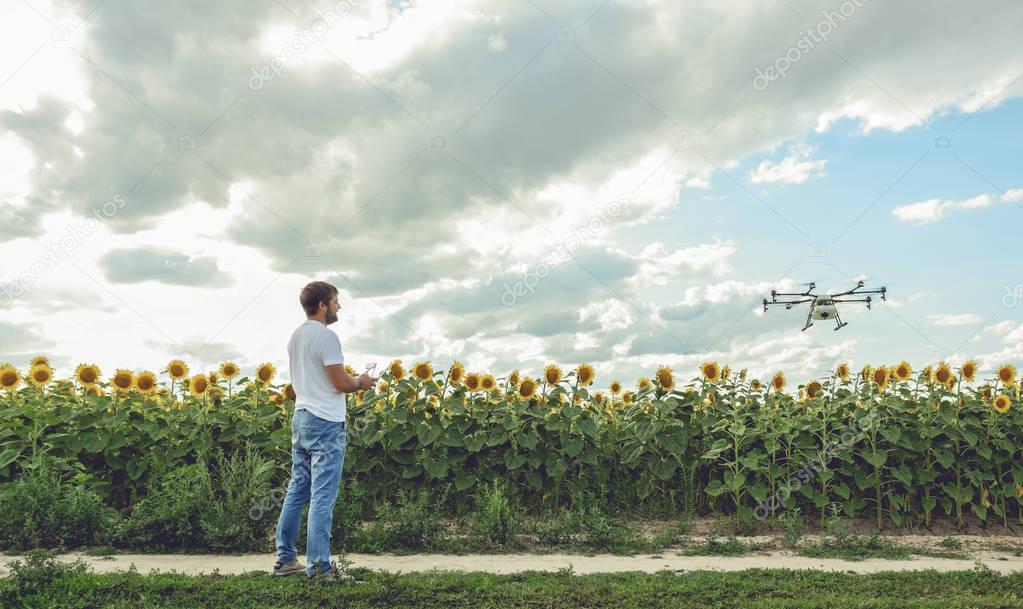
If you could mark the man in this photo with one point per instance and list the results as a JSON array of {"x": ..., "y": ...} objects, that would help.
[{"x": 317, "y": 432}]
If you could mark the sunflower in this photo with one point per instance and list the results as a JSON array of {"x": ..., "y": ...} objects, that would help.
[
  {"x": 778, "y": 382},
  {"x": 710, "y": 398},
  {"x": 513, "y": 378},
  {"x": 277, "y": 399},
  {"x": 40, "y": 375},
  {"x": 644, "y": 383},
  {"x": 986, "y": 392},
  {"x": 665, "y": 378},
  {"x": 265, "y": 373},
  {"x": 146, "y": 382},
  {"x": 87, "y": 374},
  {"x": 552, "y": 374},
  {"x": 616, "y": 387},
  {"x": 289, "y": 392},
  {"x": 423, "y": 371},
  {"x": 123, "y": 380},
  {"x": 229, "y": 370},
  {"x": 881, "y": 377},
  {"x": 928, "y": 374},
  {"x": 598, "y": 397},
  {"x": 177, "y": 369},
  {"x": 527, "y": 388},
  {"x": 843, "y": 372},
  {"x": 903, "y": 371},
  {"x": 472, "y": 381},
  {"x": 742, "y": 374},
  {"x": 866, "y": 373},
  {"x": 487, "y": 383},
  {"x": 456, "y": 372},
  {"x": 755, "y": 385},
  {"x": 1002, "y": 403},
  {"x": 627, "y": 397},
  {"x": 198, "y": 385},
  {"x": 396, "y": 369},
  {"x": 1007, "y": 375},
  {"x": 585, "y": 374},
  {"x": 943, "y": 375},
  {"x": 969, "y": 371},
  {"x": 40, "y": 360},
  {"x": 94, "y": 390},
  {"x": 813, "y": 389},
  {"x": 710, "y": 371}
]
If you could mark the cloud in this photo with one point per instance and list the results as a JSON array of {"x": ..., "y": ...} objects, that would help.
[
  {"x": 964, "y": 319},
  {"x": 323, "y": 151},
  {"x": 933, "y": 210},
  {"x": 794, "y": 169},
  {"x": 898, "y": 303},
  {"x": 20, "y": 342},
  {"x": 163, "y": 265}
]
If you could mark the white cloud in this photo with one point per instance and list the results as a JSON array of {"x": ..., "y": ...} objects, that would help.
[
  {"x": 898, "y": 303},
  {"x": 796, "y": 168},
  {"x": 933, "y": 210},
  {"x": 963, "y": 319},
  {"x": 658, "y": 266},
  {"x": 497, "y": 43}
]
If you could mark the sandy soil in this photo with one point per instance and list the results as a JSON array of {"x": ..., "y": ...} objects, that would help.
[{"x": 510, "y": 563}]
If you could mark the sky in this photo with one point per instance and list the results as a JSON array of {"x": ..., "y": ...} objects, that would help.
[{"x": 509, "y": 184}]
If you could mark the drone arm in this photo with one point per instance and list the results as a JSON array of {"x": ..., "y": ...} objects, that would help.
[
  {"x": 857, "y": 292},
  {"x": 791, "y": 302}
]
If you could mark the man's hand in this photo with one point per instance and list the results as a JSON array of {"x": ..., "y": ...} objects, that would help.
[{"x": 366, "y": 381}]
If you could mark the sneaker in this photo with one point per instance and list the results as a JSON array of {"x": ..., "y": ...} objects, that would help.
[
  {"x": 330, "y": 574},
  {"x": 288, "y": 568}
]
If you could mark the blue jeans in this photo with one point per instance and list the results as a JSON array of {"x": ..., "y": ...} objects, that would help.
[{"x": 317, "y": 457}]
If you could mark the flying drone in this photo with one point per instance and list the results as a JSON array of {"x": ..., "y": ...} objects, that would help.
[{"x": 823, "y": 307}]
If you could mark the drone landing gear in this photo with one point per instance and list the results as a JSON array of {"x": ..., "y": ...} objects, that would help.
[
  {"x": 809, "y": 323},
  {"x": 841, "y": 324}
]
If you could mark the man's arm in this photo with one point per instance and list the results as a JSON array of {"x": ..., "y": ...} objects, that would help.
[{"x": 345, "y": 382}]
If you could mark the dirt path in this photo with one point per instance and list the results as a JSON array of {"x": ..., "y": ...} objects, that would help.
[{"x": 511, "y": 563}]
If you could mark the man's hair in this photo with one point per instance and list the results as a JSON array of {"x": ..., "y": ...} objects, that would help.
[{"x": 315, "y": 293}]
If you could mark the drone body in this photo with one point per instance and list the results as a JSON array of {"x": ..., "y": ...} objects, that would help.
[{"x": 824, "y": 307}]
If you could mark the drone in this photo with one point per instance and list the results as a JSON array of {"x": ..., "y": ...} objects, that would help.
[{"x": 823, "y": 307}]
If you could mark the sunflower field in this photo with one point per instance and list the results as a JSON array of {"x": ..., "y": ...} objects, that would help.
[{"x": 887, "y": 443}]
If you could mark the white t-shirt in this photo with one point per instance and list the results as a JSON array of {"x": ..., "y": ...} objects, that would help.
[{"x": 311, "y": 347}]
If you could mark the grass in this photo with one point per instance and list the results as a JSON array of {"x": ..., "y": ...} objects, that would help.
[
  {"x": 731, "y": 546},
  {"x": 39, "y": 582},
  {"x": 862, "y": 547}
]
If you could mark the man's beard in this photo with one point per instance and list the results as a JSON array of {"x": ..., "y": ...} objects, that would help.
[{"x": 331, "y": 318}]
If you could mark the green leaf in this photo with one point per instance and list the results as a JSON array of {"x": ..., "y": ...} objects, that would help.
[
  {"x": 527, "y": 440},
  {"x": 891, "y": 434},
  {"x": 571, "y": 445},
  {"x": 9, "y": 456},
  {"x": 663, "y": 468}
]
